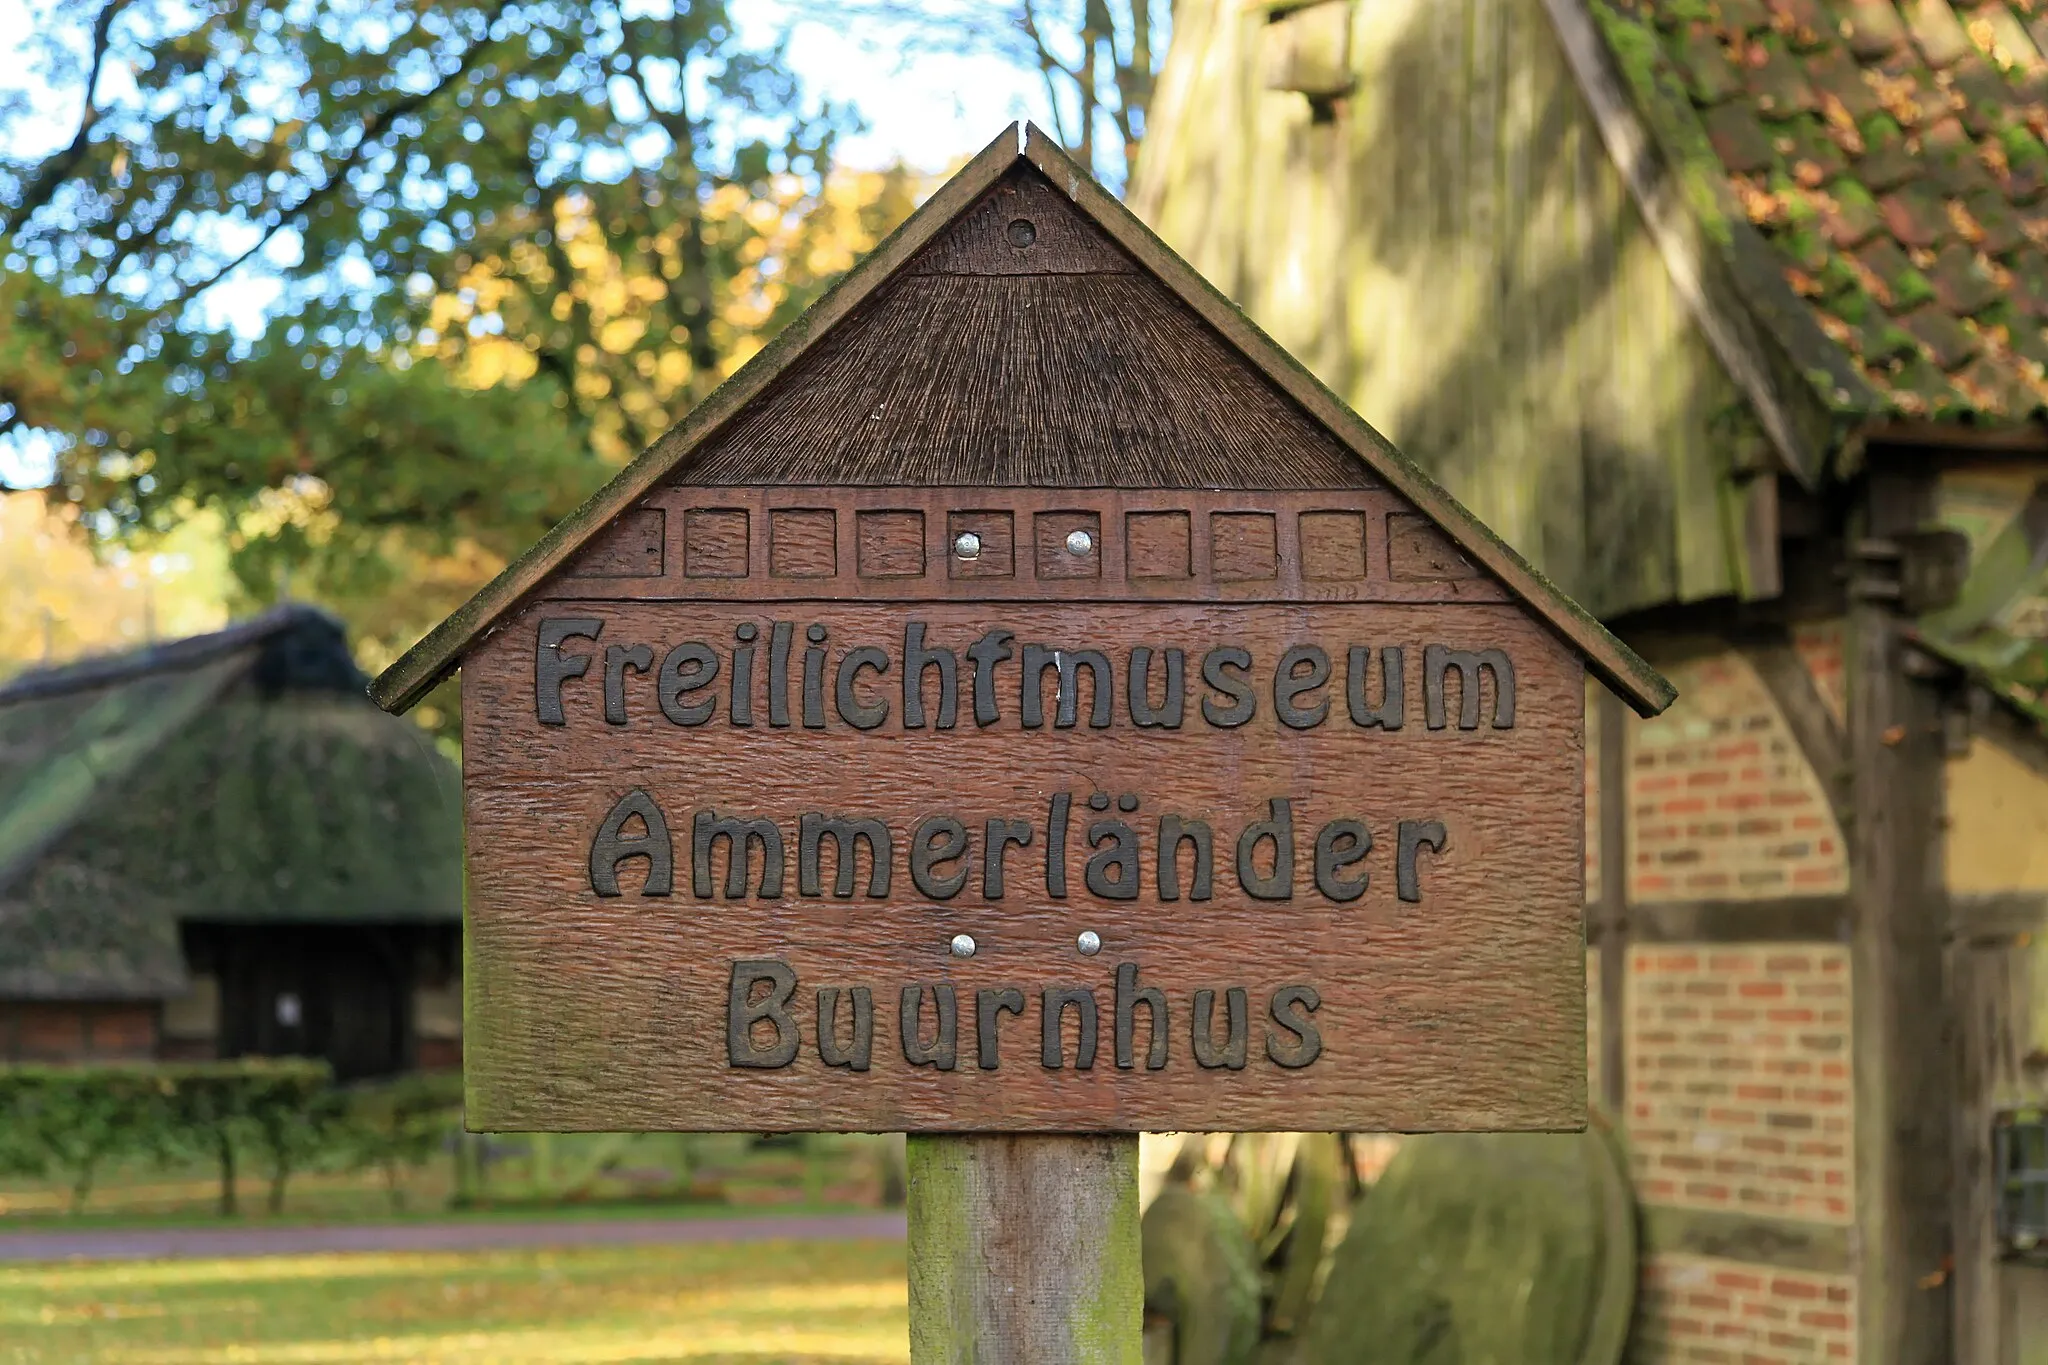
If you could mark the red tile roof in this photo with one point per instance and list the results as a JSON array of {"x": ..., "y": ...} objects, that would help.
[{"x": 1892, "y": 154}]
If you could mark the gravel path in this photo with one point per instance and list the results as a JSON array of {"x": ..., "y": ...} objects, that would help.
[{"x": 138, "y": 1244}]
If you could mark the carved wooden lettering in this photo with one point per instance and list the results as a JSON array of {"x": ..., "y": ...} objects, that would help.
[{"x": 779, "y": 815}]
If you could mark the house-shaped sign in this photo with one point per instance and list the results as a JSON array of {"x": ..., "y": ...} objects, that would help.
[{"x": 1023, "y": 699}]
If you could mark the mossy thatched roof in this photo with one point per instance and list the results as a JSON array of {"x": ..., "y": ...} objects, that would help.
[{"x": 237, "y": 776}]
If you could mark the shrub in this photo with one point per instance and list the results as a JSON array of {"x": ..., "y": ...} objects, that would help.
[
  {"x": 401, "y": 1122},
  {"x": 65, "y": 1122}
]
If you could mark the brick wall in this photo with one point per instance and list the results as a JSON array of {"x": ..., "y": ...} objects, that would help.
[
  {"x": 72, "y": 1031},
  {"x": 1698, "y": 1308},
  {"x": 1739, "y": 1078},
  {"x": 1820, "y": 645},
  {"x": 1722, "y": 804}
]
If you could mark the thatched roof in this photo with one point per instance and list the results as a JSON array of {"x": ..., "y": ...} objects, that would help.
[{"x": 241, "y": 775}]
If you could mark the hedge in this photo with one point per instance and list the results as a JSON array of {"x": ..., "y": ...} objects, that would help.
[{"x": 66, "y": 1122}]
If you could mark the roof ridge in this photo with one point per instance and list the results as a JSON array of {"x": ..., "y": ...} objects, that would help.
[{"x": 166, "y": 656}]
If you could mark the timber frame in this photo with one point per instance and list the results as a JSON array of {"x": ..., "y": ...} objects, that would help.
[{"x": 441, "y": 651}]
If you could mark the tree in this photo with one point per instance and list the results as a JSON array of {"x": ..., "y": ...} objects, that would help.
[
  {"x": 1099, "y": 59},
  {"x": 504, "y": 244},
  {"x": 60, "y": 600}
]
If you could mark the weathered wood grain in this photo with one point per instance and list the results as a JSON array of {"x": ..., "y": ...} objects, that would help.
[
  {"x": 1024, "y": 1251},
  {"x": 635, "y": 546},
  {"x": 1616, "y": 918},
  {"x": 1162, "y": 545},
  {"x": 803, "y": 542},
  {"x": 1042, "y": 379},
  {"x": 1022, "y": 226},
  {"x": 1462, "y": 1009},
  {"x": 1903, "y": 1027}
]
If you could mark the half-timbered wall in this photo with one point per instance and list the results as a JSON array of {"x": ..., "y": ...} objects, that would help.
[
  {"x": 1717, "y": 886},
  {"x": 1997, "y": 868}
]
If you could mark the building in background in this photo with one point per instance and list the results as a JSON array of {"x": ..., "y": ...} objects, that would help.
[
  {"x": 217, "y": 847},
  {"x": 1730, "y": 315}
]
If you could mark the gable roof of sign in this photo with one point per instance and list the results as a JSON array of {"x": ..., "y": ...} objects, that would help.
[
  {"x": 1094, "y": 223},
  {"x": 1864, "y": 182},
  {"x": 230, "y": 776}
]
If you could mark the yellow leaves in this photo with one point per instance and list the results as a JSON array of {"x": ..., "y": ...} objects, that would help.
[
  {"x": 1897, "y": 95},
  {"x": 1758, "y": 202},
  {"x": 63, "y": 600},
  {"x": 621, "y": 335},
  {"x": 621, "y": 314},
  {"x": 495, "y": 360},
  {"x": 304, "y": 503},
  {"x": 1965, "y": 222}
]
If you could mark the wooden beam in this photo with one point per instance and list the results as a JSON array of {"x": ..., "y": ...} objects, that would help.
[
  {"x": 1025, "y": 1251},
  {"x": 1792, "y": 919},
  {"x": 1989, "y": 917},
  {"x": 1791, "y": 685},
  {"x": 1614, "y": 908},
  {"x": 1992, "y": 983},
  {"x": 1821, "y": 1247},
  {"x": 2028, "y": 438},
  {"x": 1903, "y": 1065}
]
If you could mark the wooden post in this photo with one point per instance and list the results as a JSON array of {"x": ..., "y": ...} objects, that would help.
[
  {"x": 1904, "y": 1072},
  {"x": 1025, "y": 1250}
]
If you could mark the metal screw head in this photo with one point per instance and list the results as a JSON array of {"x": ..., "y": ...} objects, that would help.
[
  {"x": 963, "y": 945},
  {"x": 967, "y": 545},
  {"x": 1079, "y": 542},
  {"x": 1090, "y": 943}
]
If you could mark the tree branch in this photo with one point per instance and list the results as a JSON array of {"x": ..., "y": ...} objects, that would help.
[
  {"x": 373, "y": 123},
  {"x": 690, "y": 290},
  {"x": 1027, "y": 20},
  {"x": 58, "y": 168}
]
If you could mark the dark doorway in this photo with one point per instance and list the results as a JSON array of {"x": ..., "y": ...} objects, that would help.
[{"x": 342, "y": 992}]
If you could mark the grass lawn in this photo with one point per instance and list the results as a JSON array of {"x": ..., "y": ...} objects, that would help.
[
  {"x": 656, "y": 1175},
  {"x": 759, "y": 1303}
]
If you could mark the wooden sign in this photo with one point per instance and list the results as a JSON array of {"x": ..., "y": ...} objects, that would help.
[{"x": 1023, "y": 700}]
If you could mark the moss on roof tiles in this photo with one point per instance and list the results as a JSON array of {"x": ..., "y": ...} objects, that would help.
[{"x": 1912, "y": 132}]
